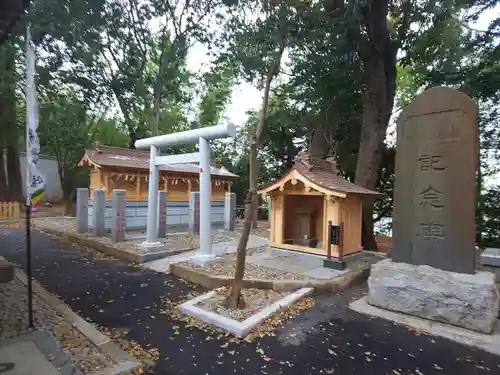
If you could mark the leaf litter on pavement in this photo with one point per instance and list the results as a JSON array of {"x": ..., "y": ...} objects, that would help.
[
  {"x": 267, "y": 328},
  {"x": 147, "y": 356}
]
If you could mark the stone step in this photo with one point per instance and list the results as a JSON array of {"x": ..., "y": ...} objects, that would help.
[{"x": 7, "y": 271}]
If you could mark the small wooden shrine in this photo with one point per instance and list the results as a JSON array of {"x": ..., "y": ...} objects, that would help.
[
  {"x": 128, "y": 169},
  {"x": 306, "y": 199}
]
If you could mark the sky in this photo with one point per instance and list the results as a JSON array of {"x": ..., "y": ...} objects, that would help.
[{"x": 246, "y": 97}]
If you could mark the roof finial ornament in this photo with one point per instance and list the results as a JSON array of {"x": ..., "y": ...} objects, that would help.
[
  {"x": 304, "y": 158},
  {"x": 332, "y": 159}
]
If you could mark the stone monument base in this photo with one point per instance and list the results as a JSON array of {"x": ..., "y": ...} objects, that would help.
[{"x": 468, "y": 301}]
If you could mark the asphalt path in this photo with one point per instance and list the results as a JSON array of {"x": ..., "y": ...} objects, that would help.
[{"x": 326, "y": 339}]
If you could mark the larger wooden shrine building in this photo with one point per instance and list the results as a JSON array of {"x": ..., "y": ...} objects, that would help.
[
  {"x": 128, "y": 169},
  {"x": 306, "y": 199}
]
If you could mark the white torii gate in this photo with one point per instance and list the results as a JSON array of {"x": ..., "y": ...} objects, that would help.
[{"x": 201, "y": 137}]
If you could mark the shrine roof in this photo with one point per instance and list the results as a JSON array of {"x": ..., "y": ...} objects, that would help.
[
  {"x": 320, "y": 172},
  {"x": 117, "y": 157}
]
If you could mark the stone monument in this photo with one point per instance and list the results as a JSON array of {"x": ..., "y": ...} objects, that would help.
[
  {"x": 432, "y": 271},
  {"x": 82, "y": 210},
  {"x": 118, "y": 204},
  {"x": 98, "y": 213},
  {"x": 162, "y": 214},
  {"x": 229, "y": 211},
  {"x": 194, "y": 213},
  {"x": 434, "y": 217}
]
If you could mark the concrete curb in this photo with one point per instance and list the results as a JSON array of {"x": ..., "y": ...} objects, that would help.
[
  {"x": 124, "y": 363},
  {"x": 81, "y": 239},
  {"x": 48, "y": 346},
  {"x": 237, "y": 328},
  {"x": 483, "y": 341},
  {"x": 148, "y": 257},
  {"x": 209, "y": 281}
]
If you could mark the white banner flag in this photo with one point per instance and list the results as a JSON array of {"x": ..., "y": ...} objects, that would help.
[{"x": 35, "y": 182}]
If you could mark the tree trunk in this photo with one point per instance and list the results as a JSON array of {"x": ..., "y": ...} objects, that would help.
[
  {"x": 155, "y": 118},
  {"x": 319, "y": 146},
  {"x": 235, "y": 299},
  {"x": 133, "y": 137},
  {"x": 9, "y": 133},
  {"x": 290, "y": 149},
  {"x": 377, "y": 52},
  {"x": 255, "y": 220},
  {"x": 4, "y": 188},
  {"x": 251, "y": 202},
  {"x": 14, "y": 174},
  {"x": 376, "y": 113}
]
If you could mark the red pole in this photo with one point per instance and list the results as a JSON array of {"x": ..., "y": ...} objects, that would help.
[
  {"x": 341, "y": 241},
  {"x": 329, "y": 238}
]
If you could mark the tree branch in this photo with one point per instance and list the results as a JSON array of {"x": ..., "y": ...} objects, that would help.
[{"x": 405, "y": 23}]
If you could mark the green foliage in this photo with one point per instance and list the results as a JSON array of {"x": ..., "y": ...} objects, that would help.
[
  {"x": 109, "y": 132},
  {"x": 8, "y": 77},
  {"x": 116, "y": 70},
  {"x": 218, "y": 89},
  {"x": 64, "y": 132},
  {"x": 490, "y": 211}
]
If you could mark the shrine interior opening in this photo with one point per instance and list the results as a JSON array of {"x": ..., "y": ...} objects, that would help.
[{"x": 303, "y": 220}]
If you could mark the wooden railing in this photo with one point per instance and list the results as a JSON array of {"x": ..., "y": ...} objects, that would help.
[{"x": 9, "y": 210}]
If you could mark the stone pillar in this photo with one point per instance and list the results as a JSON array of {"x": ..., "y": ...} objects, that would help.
[
  {"x": 194, "y": 213},
  {"x": 152, "y": 243},
  {"x": 152, "y": 228},
  {"x": 229, "y": 211},
  {"x": 118, "y": 215},
  {"x": 82, "y": 210},
  {"x": 205, "y": 202},
  {"x": 162, "y": 216},
  {"x": 98, "y": 212}
]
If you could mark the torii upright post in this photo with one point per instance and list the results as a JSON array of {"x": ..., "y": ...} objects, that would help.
[{"x": 201, "y": 137}]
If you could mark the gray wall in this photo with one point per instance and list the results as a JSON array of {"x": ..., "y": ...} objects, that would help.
[
  {"x": 177, "y": 215},
  {"x": 48, "y": 167}
]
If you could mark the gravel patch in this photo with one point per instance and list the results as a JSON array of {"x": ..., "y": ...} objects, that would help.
[
  {"x": 363, "y": 261},
  {"x": 14, "y": 311},
  {"x": 227, "y": 266},
  {"x": 14, "y": 323},
  {"x": 262, "y": 229},
  {"x": 255, "y": 301},
  {"x": 84, "y": 354},
  {"x": 173, "y": 242}
]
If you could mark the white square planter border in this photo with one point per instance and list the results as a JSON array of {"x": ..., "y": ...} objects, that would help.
[{"x": 237, "y": 328}]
